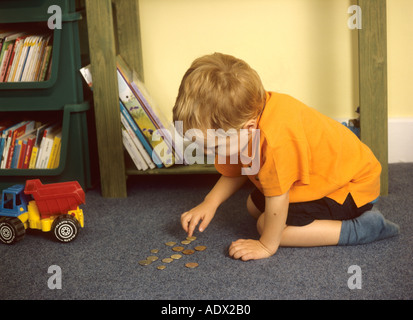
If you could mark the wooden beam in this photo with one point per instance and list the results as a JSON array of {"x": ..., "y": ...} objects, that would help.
[
  {"x": 128, "y": 34},
  {"x": 373, "y": 82},
  {"x": 106, "y": 98}
]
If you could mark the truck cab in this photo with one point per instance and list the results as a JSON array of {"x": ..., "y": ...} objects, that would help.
[{"x": 13, "y": 202}]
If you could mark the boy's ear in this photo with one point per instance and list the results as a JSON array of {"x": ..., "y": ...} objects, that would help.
[{"x": 251, "y": 124}]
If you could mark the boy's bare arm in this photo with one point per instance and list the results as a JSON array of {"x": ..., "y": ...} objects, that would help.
[
  {"x": 275, "y": 216},
  {"x": 224, "y": 188},
  {"x": 205, "y": 211}
]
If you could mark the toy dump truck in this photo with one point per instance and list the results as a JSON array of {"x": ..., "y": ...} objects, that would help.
[{"x": 50, "y": 207}]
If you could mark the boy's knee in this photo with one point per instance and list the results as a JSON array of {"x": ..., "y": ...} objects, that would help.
[{"x": 252, "y": 209}]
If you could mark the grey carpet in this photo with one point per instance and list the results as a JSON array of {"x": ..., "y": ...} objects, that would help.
[{"x": 102, "y": 263}]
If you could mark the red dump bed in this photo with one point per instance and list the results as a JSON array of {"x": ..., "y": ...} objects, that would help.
[{"x": 55, "y": 198}]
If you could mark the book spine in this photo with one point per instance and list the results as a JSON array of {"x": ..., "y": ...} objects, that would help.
[{"x": 139, "y": 135}]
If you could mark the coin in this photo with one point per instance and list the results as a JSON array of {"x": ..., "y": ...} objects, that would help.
[
  {"x": 177, "y": 249},
  {"x": 152, "y": 258},
  {"x": 191, "y": 265},
  {"x": 185, "y": 241},
  {"x": 161, "y": 267},
  {"x": 188, "y": 251},
  {"x": 167, "y": 260},
  {"x": 176, "y": 256},
  {"x": 193, "y": 238},
  {"x": 200, "y": 248},
  {"x": 154, "y": 250},
  {"x": 145, "y": 262},
  {"x": 170, "y": 244}
]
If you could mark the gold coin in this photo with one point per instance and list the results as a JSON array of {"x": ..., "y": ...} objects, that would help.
[
  {"x": 185, "y": 241},
  {"x": 176, "y": 256},
  {"x": 152, "y": 258},
  {"x": 145, "y": 262},
  {"x": 161, "y": 267},
  {"x": 177, "y": 249},
  {"x": 191, "y": 238},
  {"x": 188, "y": 251},
  {"x": 167, "y": 260},
  {"x": 154, "y": 250},
  {"x": 191, "y": 265},
  {"x": 170, "y": 244},
  {"x": 200, "y": 248}
]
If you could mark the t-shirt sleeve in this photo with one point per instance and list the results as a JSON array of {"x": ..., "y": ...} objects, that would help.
[{"x": 227, "y": 169}]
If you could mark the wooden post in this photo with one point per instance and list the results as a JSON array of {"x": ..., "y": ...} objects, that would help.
[
  {"x": 106, "y": 98},
  {"x": 373, "y": 82},
  {"x": 128, "y": 34}
]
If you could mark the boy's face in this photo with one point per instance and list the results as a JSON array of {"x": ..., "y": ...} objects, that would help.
[{"x": 227, "y": 143}]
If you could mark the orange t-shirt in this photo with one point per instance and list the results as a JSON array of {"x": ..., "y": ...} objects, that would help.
[{"x": 311, "y": 155}]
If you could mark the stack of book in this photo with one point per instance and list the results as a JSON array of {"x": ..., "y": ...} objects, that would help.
[
  {"x": 30, "y": 145},
  {"x": 146, "y": 136},
  {"x": 24, "y": 57}
]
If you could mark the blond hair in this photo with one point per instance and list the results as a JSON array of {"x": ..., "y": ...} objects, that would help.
[{"x": 218, "y": 91}]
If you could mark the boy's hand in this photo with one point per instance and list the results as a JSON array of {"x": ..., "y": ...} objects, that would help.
[
  {"x": 189, "y": 220},
  {"x": 249, "y": 250}
]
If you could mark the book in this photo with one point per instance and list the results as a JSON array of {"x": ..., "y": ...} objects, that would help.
[
  {"x": 145, "y": 148},
  {"x": 15, "y": 132},
  {"x": 133, "y": 151},
  {"x": 6, "y": 53},
  {"x": 142, "y": 120},
  {"x": 25, "y": 56},
  {"x": 57, "y": 139},
  {"x": 46, "y": 144},
  {"x": 136, "y": 136},
  {"x": 87, "y": 75},
  {"x": 23, "y": 141},
  {"x": 138, "y": 88}
]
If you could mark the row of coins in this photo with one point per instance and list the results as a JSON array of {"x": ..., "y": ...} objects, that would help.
[{"x": 176, "y": 256}]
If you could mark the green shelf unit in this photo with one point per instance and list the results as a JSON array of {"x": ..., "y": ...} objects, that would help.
[
  {"x": 65, "y": 83},
  {"x": 74, "y": 156},
  {"x": 33, "y": 10},
  {"x": 60, "y": 97}
]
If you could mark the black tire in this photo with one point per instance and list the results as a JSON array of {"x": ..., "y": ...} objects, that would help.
[
  {"x": 65, "y": 228},
  {"x": 11, "y": 230}
]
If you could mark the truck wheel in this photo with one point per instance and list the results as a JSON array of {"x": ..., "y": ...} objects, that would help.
[
  {"x": 11, "y": 230},
  {"x": 65, "y": 228}
]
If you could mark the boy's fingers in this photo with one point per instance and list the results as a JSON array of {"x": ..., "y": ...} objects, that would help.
[
  {"x": 204, "y": 224},
  {"x": 192, "y": 224},
  {"x": 185, "y": 218}
]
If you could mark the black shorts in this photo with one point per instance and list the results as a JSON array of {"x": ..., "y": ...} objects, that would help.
[{"x": 303, "y": 213}]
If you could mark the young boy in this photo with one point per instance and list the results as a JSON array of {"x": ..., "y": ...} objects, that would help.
[{"x": 316, "y": 180}]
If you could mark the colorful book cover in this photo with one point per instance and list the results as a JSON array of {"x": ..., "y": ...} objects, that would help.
[
  {"x": 149, "y": 130},
  {"x": 150, "y": 107},
  {"x": 147, "y": 148}
]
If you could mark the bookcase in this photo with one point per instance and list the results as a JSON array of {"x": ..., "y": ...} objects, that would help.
[
  {"x": 113, "y": 27},
  {"x": 59, "y": 97}
]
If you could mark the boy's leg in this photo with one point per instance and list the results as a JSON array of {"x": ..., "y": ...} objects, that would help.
[
  {"x": 317, "y": 233},
  {"x": 370, "y": 226},
  {"x": 252, "y": 209}
]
